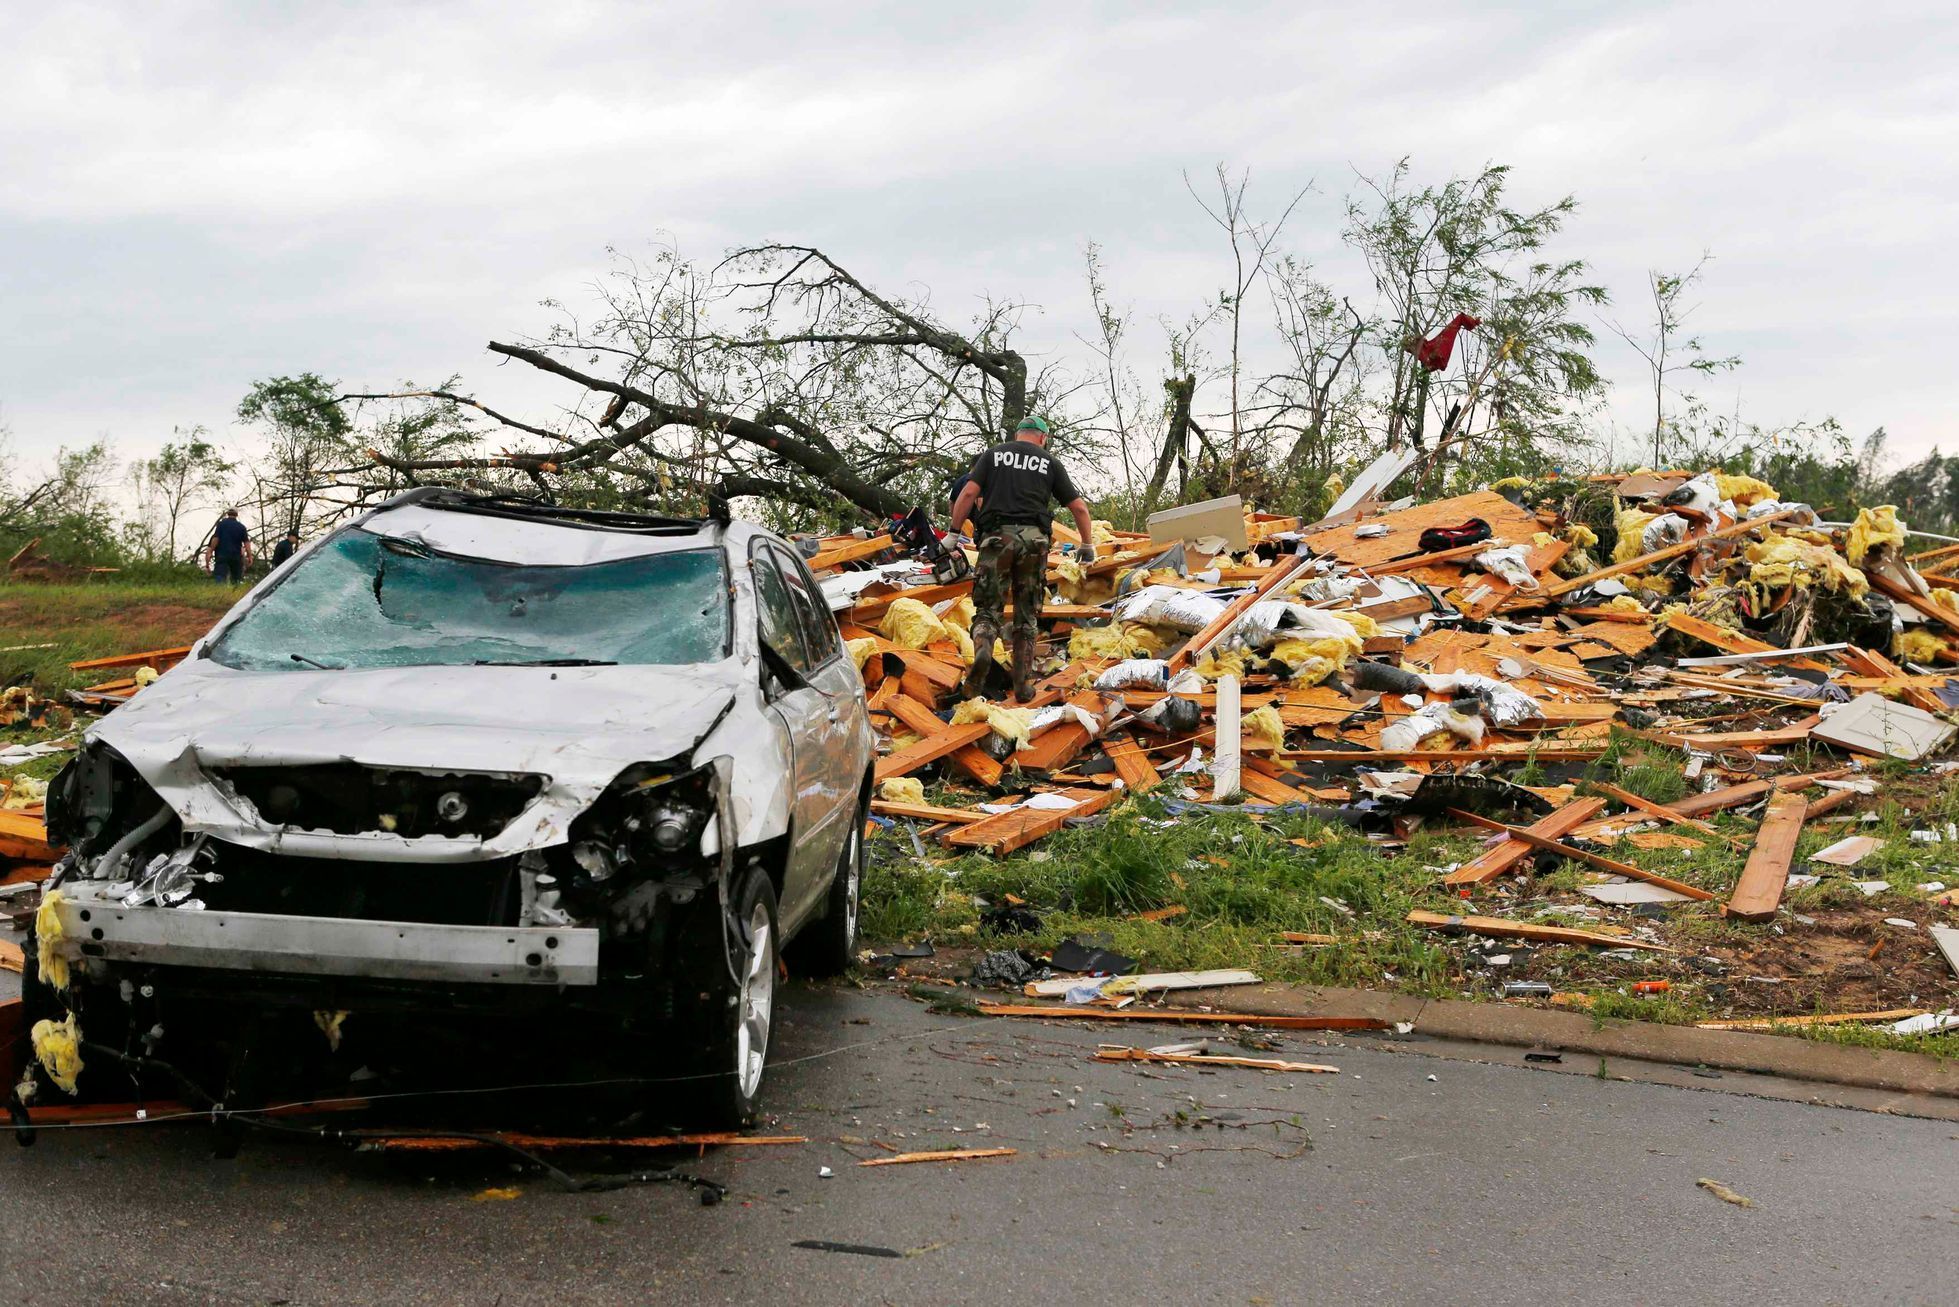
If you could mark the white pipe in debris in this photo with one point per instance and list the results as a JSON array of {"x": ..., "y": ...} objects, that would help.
[{"x": 1224, "y": 762}]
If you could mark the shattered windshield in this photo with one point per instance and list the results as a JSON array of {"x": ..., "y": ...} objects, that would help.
[{"x": 364, "y": 600}]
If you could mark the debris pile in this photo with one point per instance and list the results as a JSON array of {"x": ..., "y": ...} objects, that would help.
[{"x": 1396, "y": 664}]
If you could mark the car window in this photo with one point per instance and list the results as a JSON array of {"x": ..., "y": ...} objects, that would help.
[
  {"x": 363, "y": 600},
  {"x": 782, "y": 628},
  {"x": 819, "y": 627}
]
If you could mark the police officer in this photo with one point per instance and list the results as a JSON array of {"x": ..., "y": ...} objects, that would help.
[
  {"x": 1015, "y": 483},
  {"x": 230, "y": 550}
]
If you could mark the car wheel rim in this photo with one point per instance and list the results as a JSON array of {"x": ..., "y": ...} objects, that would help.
[
  {"x": 757, "y": 1005},
  {"x": 852, "y": 886}
]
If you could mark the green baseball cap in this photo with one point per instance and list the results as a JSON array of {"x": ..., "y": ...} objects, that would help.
[{"x": 1033, "y": 424}]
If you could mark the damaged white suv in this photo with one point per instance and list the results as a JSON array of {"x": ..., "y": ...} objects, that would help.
[{"x": 477, "y": 754}]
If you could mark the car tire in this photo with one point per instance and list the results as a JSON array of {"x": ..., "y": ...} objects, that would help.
[
  {"x": 828, "y": 945},
  {"x": 726, "y": 1086}
]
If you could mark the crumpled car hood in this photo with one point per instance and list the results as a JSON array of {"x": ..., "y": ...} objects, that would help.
[{"x": 576, "y": 726}]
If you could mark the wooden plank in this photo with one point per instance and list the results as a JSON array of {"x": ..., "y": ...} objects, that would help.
[
  {"x": 1139, "y": 775},
  {"x": 1538, "y": 562},
  {"x": 148, "y": 658},
  {"x": 1819, "y": 1019},
  {"x": 855, "y": 551},
  {"x": 869, "y": 612},
  {"x": 1645, "y": 561},
  {"x": 1494, "y": 862},
  {"x": 1660, "y": 812},
  {"x": 456, "y": 1143},
  {"x": 1107, "y": 1054},
  {"x": 1626, "y": 869},
  {"x": 940, "y": 1155},
  {"x": 1006, "y": 831},
  {"x": 1731, "y": 642},
  {"x": 1394, "y": 566},
  {"x": 1501, "y": 928},
  {"x": 1736, "y": 796},
  {"x": 11, "y": 958},
  {"x": 1180, "y": 1017},
  {"x": 1519, "y": 752},
  {"x": 1148, "y": 983},
  {"x": 1872, "y": 663},
  {"x": 1794, "y": 733},
  {"x": 927, "y": 812},
  {"x": 929, "y": 749},
  {"x": 1758, "y": 892},
  {"x": 970, "y": 759},
  {"x": 1060, "y": 745},
  {"x": 1389, "y": 609}
]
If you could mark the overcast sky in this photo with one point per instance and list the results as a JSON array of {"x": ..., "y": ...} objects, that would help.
[{"x": 193, "y": 196}]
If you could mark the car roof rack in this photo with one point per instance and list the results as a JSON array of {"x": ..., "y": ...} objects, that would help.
[{"x": 532, "y": 508}]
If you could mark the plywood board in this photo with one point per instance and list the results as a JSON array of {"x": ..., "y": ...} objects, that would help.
[
  {"x": 1212, "y": 517},
  {"x": 1759, "y": 891},
  {"x": 1507, "y": 523},
  {"x": 1872, "y": 724}
]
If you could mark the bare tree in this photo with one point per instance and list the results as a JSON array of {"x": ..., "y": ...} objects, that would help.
[{"x": 1662, "y": 347}]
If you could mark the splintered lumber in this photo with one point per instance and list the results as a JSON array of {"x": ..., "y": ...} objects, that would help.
[
  {"x": 1006, "y": 831},
  {"x": 1148, "y": 983},
  {"x": 1194, "y": 647},
  {"x": 1501, "y": 928},
  {"x": 1613, "y": 865},
  {"x": 970, "y": 758},
  {"x": 1645, "y": 561},
  {"x": 930, "y": 749},
  {"x": 1110, "y": 1053},
  {"x": 1493, "y": 592},
  {"x": 453, "y": 1143},
  {"x": 1178, "y": 1016},
  {"x": 1138, "y": 774},
  {"x": 1736, "y": 796},
  {"x": 1730, "y": 642},
  {"x": 11, "y": 958},
  {"x": 1818, "y": 1019},
  {"x": 1061, "y": 744},
  {"x": 1520, "y": 752},
  {"x": 24, "y": 837},
  {"x": 1658, "y": 811},
  {"x": 1759, "y": 891},
  {"x": 1494, "y": 862},
  {"x": 1393, "y": 566},
  {"x": 853, "y": 551},
  {"x": 941, "y": 1155},
  {"x": 1871, "y": 663},
  {"x": 926, "y": 812},
  {"x": 1792, "y": 734},
  {"x": 868, "y": 612},
  {"x": 148, "y": 658}
]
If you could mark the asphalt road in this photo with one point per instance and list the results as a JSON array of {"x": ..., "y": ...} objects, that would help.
[{"x": 1403, "y": 1177}]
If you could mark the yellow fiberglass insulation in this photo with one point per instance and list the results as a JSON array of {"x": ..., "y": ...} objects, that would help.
[
  {"x": 1215, "y": 664},
  {"x": 1365, "y": 627},
  {"x": 1439, "y": 740},
  {"x": 1873, "y": 527},
  {"x": 1068, "y": 580},
  {"x": 58, "y": 1047},
  {"x": 1632, "y": 525},
  {"x": 1009, "y": 723},
  {"x": 962, "y": 640},
  {"x": 145, "y": 675},
  {"x": 1312, "y": 661},
  {"x": 1509, "y": 483},
  {"x": 1132, "y": 640},
  {"x": 47, "y": 933},
  {"x": 1743, "y": 490},
  {"x": 1580, "y": 536},
  {"x": 902, "y": 789},
  {"x": 860, "y": 651},
  {"x": 1105, "y": 532},
  {"x": 1262, "y": 729},
  {"x": 1941, "y": 595},
  {"x": 911, "y": 625},
  {"x": 959, "y": 613},
  {"x": 1652, "y": 585},
  {"x": 1917, "y": 645},
  {"x": 1782, "y": 561}
]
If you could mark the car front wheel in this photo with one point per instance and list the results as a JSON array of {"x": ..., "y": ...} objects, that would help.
[{"x": 828, "y": 945}]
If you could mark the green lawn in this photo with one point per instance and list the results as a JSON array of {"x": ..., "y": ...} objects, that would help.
[{"x": 43, "y": 628}]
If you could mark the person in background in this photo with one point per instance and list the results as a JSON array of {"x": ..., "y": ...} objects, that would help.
[
  {"x": 1016, "y": 482},
  {"x": 283, "y": 550},
  {"x": 230, "y": 550}
]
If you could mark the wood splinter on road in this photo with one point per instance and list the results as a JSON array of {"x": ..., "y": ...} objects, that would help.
[
  {"x": 943, "y": 1155},
  {"x": 1120, "y": 1053}
]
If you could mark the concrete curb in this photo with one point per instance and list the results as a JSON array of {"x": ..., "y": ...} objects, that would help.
[{"x": 1571, "y": 1032}]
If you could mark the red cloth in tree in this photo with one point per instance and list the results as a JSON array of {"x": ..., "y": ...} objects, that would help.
[{"x": 1434, "y": 354}]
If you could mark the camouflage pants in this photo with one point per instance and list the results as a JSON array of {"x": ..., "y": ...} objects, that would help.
[{"x": 1013, "y": 558}]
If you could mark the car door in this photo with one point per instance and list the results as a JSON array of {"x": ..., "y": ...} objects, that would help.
[
  {"x": 804, "y": 712},
  {"x": 835, "y": 762}
]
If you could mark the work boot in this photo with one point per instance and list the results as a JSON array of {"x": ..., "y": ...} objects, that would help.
[
  {"x": 1023, "y": 667},
  {"x": 974, "y": 686}
]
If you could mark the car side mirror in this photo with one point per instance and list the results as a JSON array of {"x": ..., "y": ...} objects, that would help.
[{"x": 779, "y": 677}]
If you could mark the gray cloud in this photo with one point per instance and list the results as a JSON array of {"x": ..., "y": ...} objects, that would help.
[{"x": 198, "y": 195}]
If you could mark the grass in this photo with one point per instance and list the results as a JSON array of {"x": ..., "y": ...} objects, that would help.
[
  {"x": 1243, "y": 881},
  {"x": 98, "y": 620}
]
